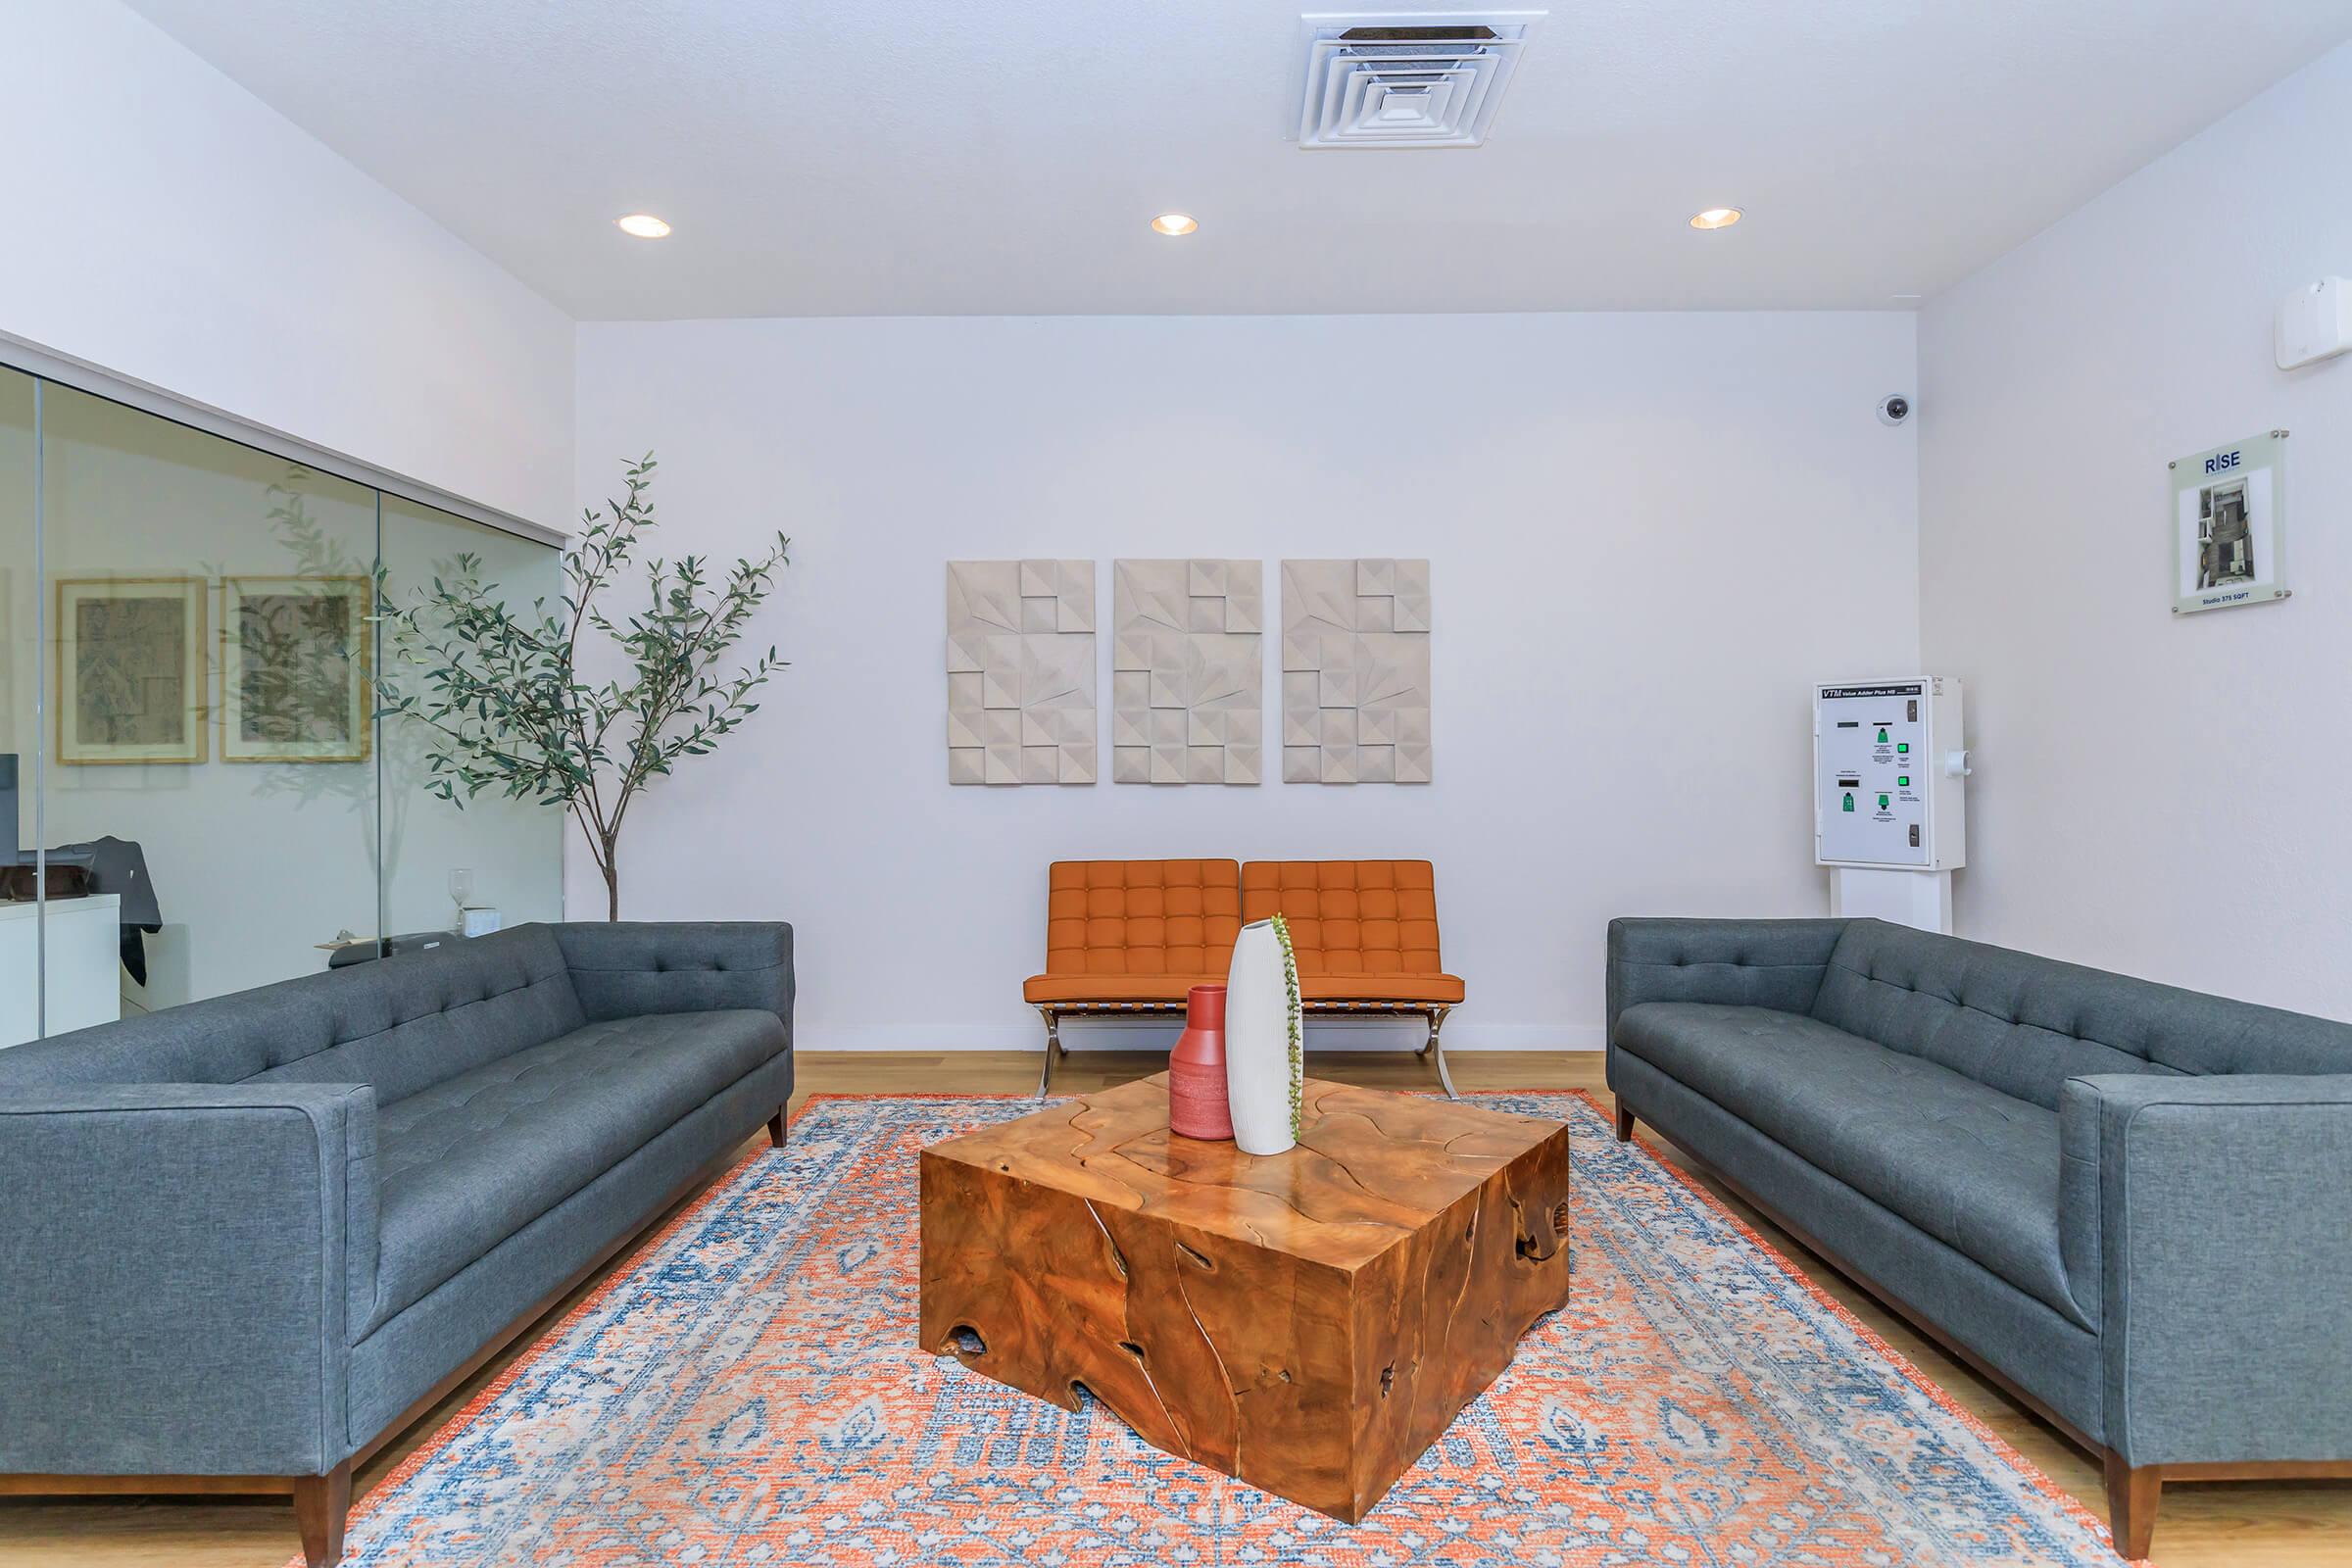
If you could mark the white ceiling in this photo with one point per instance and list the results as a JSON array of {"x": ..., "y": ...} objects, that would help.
[{"x": 930, "y": 157}]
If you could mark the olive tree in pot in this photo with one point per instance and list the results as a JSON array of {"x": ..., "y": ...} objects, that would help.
[{"x": 508, "y": 707}]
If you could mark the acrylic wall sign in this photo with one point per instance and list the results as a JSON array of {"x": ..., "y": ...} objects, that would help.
[{"x": 2227, "y": 531}]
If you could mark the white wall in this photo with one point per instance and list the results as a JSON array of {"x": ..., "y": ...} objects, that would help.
[
  {"x": 171, "y": 227},
  {"x": 1648, "y": 533},
  {"x": 2157, "y": 793}
]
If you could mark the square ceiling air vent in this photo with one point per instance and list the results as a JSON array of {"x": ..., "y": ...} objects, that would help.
[{"x": 1419, "y": 81}]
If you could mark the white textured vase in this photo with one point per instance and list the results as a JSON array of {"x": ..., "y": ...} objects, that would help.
[{"x": 1257, "y": 1043}]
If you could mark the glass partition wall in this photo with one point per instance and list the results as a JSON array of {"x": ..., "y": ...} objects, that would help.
[
  {"x": 204, "y": 795},
  {"x": 512, "y": 849},
  {"x": 20, "y": 595}
]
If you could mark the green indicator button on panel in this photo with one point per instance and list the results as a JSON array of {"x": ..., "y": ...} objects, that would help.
[
  {"x": 1881, "y": 737},
  {"x": 1903, "y": 781},
  {"x": 1882, "y": 802},
  {"x": 1849, "y": 803},
  {"x": 1902, "y": 746}
]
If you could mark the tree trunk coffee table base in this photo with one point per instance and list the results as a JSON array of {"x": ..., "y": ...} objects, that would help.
[{"x": 1308, "y": 1322}]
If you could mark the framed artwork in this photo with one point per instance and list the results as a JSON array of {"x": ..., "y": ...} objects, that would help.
[
  {"x": 130, "y": 670},
  {"x": 2229, "y": 525},
  {"x": 294, "y": 670}
]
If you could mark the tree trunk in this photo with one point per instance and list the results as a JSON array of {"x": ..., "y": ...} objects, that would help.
[{"x": 606, "y": 849}]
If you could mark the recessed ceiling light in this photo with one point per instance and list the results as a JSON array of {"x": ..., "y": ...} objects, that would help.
[
  {"x": 1716, "y": 218},
  {"x": 1174, "y": 224},
  {"x": 644, "y": 225}
]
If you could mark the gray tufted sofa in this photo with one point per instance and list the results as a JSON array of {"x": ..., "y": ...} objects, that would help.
[
  {"x": 2125, "y": 1202},
  {"x": 245, "y": 1241}
]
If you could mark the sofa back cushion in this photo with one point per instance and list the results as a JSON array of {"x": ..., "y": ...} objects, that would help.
[
  {"x": 401, "y": 1024},
  {"x": 1350, "y": 916},
  {"x": 632, "y": 969},
  {"x": 1175, "y": 917},
  {"x": 2024, "y": 1025}
]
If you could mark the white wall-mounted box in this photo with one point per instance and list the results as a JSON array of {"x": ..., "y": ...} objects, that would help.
[{"x": 2315, "y": 322}]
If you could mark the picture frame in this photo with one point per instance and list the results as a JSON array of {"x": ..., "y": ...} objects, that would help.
[
  {"x": 296, "y": 675},
  {"x": 132, "y": 682},
  {"x": 2227, "y": 529}
]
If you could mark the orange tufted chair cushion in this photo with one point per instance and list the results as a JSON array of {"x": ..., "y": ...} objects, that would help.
[
  {"x": 1363, "y": 929},
  {"x": 1137, "y": 930},
  {"x": 1146, "y": 931}
]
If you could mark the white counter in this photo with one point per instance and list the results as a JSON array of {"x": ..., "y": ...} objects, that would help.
[{"x": 85, "y": 966}]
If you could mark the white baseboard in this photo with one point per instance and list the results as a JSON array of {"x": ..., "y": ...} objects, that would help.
[{"x": 1161, "y": 1033}]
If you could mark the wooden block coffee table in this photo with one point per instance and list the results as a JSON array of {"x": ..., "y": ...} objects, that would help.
[{"x": 1308, "y": 1322}]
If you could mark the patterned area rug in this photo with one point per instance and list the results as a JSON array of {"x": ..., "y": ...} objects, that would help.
[{"x": 748, "y": 1391}]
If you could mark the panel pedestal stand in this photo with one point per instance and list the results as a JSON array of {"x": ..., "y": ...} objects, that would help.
[{"x": 1922, "y": 900}]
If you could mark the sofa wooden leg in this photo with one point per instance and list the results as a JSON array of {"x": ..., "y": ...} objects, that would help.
[
  {"x": 1625, "y": 1122},
  {"x": 775, "y": 1128},
  {"x": 320, "y": 1503},
  {"x": 2132, "y": 1492}
]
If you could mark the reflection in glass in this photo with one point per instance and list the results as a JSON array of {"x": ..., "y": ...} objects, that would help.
[
  {"x": 250, "y": 852},
  {"x": 514, "y": 850},
  {"x": 187, "y": 641}
]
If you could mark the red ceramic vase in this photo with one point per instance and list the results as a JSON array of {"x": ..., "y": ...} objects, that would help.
[{"x": 1197, "y": 1107}]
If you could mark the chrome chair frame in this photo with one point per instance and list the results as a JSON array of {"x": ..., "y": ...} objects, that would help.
[{"x": 1054, "y": 1012}]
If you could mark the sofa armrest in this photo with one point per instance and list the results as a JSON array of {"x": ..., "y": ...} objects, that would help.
[
  {"x": 1760, "y": 963},
  {"x": 2206, "y": 1218},
  {"x": 625, "y": 969},
  {"x": 180, "y": 1265}
]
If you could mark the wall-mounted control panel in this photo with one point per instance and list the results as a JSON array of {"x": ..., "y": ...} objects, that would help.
[{"x": 1888, "y": 768}]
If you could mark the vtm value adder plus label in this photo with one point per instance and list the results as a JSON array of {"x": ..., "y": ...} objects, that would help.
[{"x": 1872, "y": 798}]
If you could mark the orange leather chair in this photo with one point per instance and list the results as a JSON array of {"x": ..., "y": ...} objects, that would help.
[
  {"x": 1365, "y": 936},
  {"x": 1133, "y": 937}
]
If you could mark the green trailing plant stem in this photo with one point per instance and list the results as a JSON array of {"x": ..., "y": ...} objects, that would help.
[
  {"x": 506, "y": 705},
  {"x": 1296, "y": 1023}
]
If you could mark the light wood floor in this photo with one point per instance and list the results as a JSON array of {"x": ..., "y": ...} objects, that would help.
[{"x": 2215, "y": 1525}]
